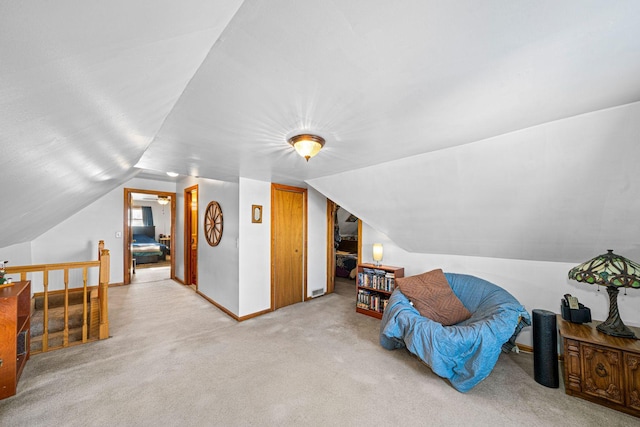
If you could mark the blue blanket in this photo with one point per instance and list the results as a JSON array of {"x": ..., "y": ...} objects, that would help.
[{"x": 464, "y": 353}]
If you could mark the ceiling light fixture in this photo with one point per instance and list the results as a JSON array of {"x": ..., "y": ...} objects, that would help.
[
  {"x": 172, "y": 174},
  {"x": 307, "y": 145},
  {"x": 163, "y": 200}
]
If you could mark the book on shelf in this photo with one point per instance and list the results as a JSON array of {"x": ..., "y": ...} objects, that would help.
[
  {"x": 371, "y": 301},
  {"x": 364, "y": 298},
  {"x": 377, "y": 279}
]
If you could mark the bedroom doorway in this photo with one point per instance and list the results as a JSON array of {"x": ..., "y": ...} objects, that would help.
[
  {"x": 149, "y": 227},
  {"x": 344, "y": 247}
]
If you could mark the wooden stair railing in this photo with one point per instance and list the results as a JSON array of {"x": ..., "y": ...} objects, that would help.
[{"x": 95, "y": 328}]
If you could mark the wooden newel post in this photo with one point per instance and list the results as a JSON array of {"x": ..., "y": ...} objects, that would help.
[
  {"x": 103, "y": 293},
  {"x": 100, "y": 248}
]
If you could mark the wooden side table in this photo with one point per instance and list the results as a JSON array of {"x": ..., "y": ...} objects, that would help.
[
  {"x": 166, "y": 241},
  {"x": 601, "y": 368}
]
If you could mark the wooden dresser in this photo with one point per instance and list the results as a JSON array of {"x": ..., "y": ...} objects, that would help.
[
  {"x": 15, "y": 315},
  {"x": 601, "y": 368}
]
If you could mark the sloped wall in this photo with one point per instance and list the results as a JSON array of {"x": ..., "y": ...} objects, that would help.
[
  {"x": 564, "y": 191},
  {"x": 76, "y": 238},
  {"x": 18, "y": 254}
]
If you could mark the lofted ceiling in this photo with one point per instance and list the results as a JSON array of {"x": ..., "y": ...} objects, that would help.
[{"x": 93, "y": 93}]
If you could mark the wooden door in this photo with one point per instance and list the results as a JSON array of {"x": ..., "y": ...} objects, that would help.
[
  {"x": 288, "y": 245},
  {"x": 194, "y": 241},
  {"x": 191, "y": 235}
]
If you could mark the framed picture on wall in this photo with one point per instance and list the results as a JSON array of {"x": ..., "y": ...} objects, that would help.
[{"x": 256, "y": 213}]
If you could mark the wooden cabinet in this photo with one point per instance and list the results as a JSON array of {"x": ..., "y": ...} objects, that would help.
[
  {"x": 601, "y": 368},
  {"x": 15, "y": 315},
  {"x": 374, "y": 287}
]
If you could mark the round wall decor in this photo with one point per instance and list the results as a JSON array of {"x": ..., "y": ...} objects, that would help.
[{"x": 213, "y": 223}]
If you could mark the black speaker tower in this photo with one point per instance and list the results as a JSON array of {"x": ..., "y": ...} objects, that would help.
[{"x": 545, "y": 348}]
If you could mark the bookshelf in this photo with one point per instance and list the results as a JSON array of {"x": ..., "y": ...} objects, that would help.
[{"x": 374, "y": 287}]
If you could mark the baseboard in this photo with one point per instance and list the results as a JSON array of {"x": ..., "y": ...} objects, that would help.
[
  {"x": 223, "y": 309},
  {"x": 113, "y": 285},
  {"x": 230, "y": 314},
  {"x": 525, "y": 348},
  {"x": 256, "y": 314},
  {"x": 62, "y": 291}
]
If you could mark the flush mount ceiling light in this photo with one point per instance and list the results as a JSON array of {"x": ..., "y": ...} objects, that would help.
[
  {"x": 307, "y": 145},
  {"x": 163, "y": 200},
  {"x": 172, "y": 174}
]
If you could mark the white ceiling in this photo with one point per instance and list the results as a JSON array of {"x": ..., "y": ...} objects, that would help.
[{"x": 91, "y": 91}]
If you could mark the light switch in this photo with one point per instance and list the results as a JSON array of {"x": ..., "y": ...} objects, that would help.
[{"x": 118, "y": 234}]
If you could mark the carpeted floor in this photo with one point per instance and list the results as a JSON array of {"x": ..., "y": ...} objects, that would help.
[
  {"x": 166, "y": 263},
  {"x": 151, "y": 274},
  {"x": 175, "y": 359}
]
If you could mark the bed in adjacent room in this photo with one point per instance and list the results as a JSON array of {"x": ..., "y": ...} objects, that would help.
[
  {"x": 347, "y": 258},
  {"x": 144, "y": 247}
]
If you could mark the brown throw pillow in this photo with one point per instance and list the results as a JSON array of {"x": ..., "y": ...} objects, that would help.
[{"x": 432, "y": 296}]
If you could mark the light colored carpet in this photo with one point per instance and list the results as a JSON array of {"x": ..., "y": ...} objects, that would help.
[
  {"x": 151, "y": 274},
  {"x": 174, "y": 359}
]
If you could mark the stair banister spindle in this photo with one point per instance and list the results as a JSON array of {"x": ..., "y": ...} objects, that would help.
[
  {"x": 65, "y": 336},
  {"x": 84, "y": 305},
  {"x": 103, "y": 287},
  {"x": 45, "y": 323}
]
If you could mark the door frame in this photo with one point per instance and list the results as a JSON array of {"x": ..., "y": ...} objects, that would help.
[
  {"x": 332, "y": 208},
  {"x": 128, "y": 231},
  {"x": 188, "y": 198}
]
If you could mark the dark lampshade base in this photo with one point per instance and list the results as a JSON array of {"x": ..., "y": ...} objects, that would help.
[
  {"x": 623, "y": 332},
  {"x": 613, "y": 325}
]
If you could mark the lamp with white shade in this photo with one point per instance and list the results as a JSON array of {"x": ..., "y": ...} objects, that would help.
[{"x": 377, "y": 253}]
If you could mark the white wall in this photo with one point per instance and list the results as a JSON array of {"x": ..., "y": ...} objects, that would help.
[
  {"x": 346, "y": 228},
  {"x": 77, "y": 237},
  {"x": 317, "y": 241},
  {"x": 218, "y": 265},
  {"x": 254, "y": 248},
  {"x": 536, "y": 284},
  {"x": 235, "y": 274},
  {"x": 177, "y": 251},
  {"x": 18, "y": 254},
  {"x": 561, "y": 191}
]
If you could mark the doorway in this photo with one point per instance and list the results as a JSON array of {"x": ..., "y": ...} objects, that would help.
[
  {"x": 155, "y": 224},
  {"x": 344, "y": 247},
  {"x": 191, "y": 236},
  {"x": 288, "y": 245}
]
